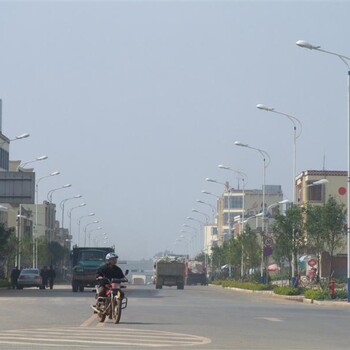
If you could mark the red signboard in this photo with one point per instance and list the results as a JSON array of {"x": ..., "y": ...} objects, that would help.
[{"x": 312, "y": 262}]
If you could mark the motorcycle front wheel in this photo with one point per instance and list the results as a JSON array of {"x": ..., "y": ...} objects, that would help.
[
  {"x": 101, "y": 314},
  {"x": 116, "y": 309}
]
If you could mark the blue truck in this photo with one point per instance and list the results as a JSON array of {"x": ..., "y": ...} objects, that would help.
[{"x": 85, "y": 262}]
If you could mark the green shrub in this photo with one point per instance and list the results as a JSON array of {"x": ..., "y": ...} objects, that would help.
[
  {"x": 242, "y": 285},
  {"x": 341, "y": 294},
  {"x": 316, "y": 294},
  {"x": 287, "y": 291}
]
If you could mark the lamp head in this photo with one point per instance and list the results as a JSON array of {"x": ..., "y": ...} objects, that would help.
[
  {"x": 210, "y": 180},
  {"x": 41, "y": 157},
  {"x": 224, "y": 167},
  {"x": 239, "y": 143},
  {"x": 264, "y": 108},
  {"x": 22, "y": 136},
  {"x": 55, "y": 173},
  {"x": 304, "y": 44}
]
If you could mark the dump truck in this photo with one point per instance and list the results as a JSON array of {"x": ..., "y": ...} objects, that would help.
[
  {"x": 169, "y": 271},
  {"x": 85, "y": 262},
  {"x": 196, "y": 273}
]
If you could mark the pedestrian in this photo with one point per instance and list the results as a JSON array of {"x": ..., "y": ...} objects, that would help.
[
  {"x": 14, "y": 277},
  {"x": 51, "y": 276},
  {"x": 44, "y": 273}
]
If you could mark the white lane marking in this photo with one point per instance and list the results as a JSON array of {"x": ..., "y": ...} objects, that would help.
[
  {"x": 271, "y": 319},
  {"x": 96, "y": 336}
]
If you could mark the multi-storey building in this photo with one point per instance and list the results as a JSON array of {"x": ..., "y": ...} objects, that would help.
[
  {"x": 336, "y": 186},
  {"x": 234, "y": 205}
]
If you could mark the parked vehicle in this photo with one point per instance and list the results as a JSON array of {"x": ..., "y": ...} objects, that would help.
[
  {"x": 85, "y": 262},
  {"x": 170, "y": 271},
  {"x": 29, "y": 278},
  {"x": 114, "y": 302}
]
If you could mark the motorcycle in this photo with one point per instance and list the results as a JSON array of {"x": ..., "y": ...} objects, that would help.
[{"x": 114, "y": 302}]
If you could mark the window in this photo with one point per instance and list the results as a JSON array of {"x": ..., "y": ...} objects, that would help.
[
  {"x": 315, "y": 193},
  {"x": 236, "y": 202}
]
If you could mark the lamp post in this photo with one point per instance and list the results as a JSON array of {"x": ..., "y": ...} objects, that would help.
[
  {"x": 345, "y": 60},
  {"x": 264, "y": 155},
  {"x": 79, "y": 222},
  {"x": 201, "y": 226},
  {"x": 243, "y": 176},
  {"x": 210, "y": 205},
  {"x": 50, "y": 193},
  {"x": 62, "y": 204},
  {"x": 35, "y": 234},
  {"x": 19, "y": 137},
  {"x": 90, "y": 223},
  {"x": 194, "y": 235},
  {"x": 21, "y": 165},
  {"x": 296, "y": 135},
  {"x": 93, "y": 230},
  {"x": 105, "y": 238},
  {"x": 70, "y": 218},
  {"x": 228, "y": 190},
  {"x": 205, "y": 215}
]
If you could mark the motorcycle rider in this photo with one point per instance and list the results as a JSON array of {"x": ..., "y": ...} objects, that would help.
[{"x": 107, "y": 272}]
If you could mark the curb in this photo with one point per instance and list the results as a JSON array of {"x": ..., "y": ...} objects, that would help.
[{"x": 297, "y": 298}]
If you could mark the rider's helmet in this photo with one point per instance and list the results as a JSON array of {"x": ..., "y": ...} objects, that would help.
[{"x": 110, "y": 256}]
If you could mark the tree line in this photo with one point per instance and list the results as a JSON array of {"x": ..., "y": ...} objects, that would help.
[
  {"x": 49, "y": 253},
  {"x": 301, "y": 230}
]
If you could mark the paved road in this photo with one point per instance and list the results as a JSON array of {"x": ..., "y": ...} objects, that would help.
[{"x": 198, "y": 317}]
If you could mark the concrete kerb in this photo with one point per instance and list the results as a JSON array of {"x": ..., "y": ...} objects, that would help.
[{"x": 297, "y": 298}]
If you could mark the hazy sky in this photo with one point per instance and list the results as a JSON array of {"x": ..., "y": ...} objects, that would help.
[{"x": 137, "y": 102}]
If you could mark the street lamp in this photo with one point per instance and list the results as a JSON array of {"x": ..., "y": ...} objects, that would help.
[
  {"x": 213, "y": 209},
  {"x": 264, "y": 155},
  {"x": 63, "y": 202},
  {"x": 105, "y": 238},
  {"x": 49, "y": 194},
  {"x": 70, "y": 218},
  {"x": 50, "y": 214},
  {"x": 345, "y": 60},
  {"x": 201, "y": 225},
  {"x": 91, "y": 223},
  {"x": 93, "y": 230},
  {"x": 296, "y": 135},
  {"x": 79, "y": 221},
  {"x": 205, "y": 215},
  {"x": 35, "y": 238},
  {"x": 228, "y": 190},
  {"x": 243, "y": 176},
  {"x": 21, "y": 165},
  {"x": 19, "y": 137},
  {"x": 211, "y": 194}
]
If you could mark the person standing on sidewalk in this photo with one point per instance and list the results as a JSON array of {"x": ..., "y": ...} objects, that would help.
[
  {"x": 14, "y": 277},
  {"x": 51, "y": 276}
]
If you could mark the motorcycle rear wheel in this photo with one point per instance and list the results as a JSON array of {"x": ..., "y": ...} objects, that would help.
[{"x": 116, "y": 310}]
